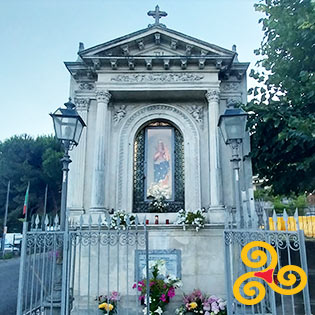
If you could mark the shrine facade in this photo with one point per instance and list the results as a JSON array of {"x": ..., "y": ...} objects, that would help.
[{"x": 155, "y": 90}]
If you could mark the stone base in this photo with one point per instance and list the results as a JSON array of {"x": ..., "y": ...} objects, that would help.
[
  {"x": 54, "y": 310},
  {"x": 216, "y": 215},
  {"x": 76, "y": 211}
]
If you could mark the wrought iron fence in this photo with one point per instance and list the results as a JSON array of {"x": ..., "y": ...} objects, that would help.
[
  {"x": 290, "y": 249},
  {"x": 72, "y": 271}
]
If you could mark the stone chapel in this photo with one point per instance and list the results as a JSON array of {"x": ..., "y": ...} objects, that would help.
[{"x": 151, "y": 101}]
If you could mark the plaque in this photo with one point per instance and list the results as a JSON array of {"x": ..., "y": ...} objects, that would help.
[{"x": 171, "y": 257}]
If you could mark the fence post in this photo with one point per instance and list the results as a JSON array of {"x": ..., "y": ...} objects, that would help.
[
  {"x": 64, "y": 293},
  {"x": 228, "y": 276},
  {"x": 147, "y": 265},
  {"x": 306, "y": 293},
  {"x": 21, "y": 272}
]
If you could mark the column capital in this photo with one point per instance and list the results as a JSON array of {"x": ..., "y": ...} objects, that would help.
[
  {"x": 213, "y": 95},
  {"x": 103, "y": 96},
  {"x": 82, "y": 103}
]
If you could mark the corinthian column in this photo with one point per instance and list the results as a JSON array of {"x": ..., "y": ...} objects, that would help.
[
  {"x": 213, "y": 97},
  {"x": 98, "y": 180}
]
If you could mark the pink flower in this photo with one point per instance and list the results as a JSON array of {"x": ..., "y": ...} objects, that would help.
[
  {"x": 163, "y": 298},
  {"x": 152, "y": 283},
  {"x": 141, "y": 297},
  {"x": 171, "y": 292},
  {"x": 140, "y": 285}
]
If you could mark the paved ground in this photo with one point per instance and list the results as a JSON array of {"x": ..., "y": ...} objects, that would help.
[{"x": 9, "y": 278}]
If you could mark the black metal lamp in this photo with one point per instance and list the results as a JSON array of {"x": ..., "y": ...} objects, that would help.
[
  {"x": 68, "y": 124},
  {"x": 233, "y": 124}
]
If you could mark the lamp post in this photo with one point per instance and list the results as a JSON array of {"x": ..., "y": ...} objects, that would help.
[
  {"x": 233, "y": 125},
  {"x": 68, "y": 127}
]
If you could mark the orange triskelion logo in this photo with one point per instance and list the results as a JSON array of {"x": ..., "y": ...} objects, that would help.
[{"x": 266, "y": 274}]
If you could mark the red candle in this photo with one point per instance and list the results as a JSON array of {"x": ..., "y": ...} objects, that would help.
[
  {"x": 156, "y": 219},
  {"x": 167, "y": 221},
  {"x": 146, "y": 221}
]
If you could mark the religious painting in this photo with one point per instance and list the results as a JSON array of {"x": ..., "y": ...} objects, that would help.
[{"x": 159, "y": 171}]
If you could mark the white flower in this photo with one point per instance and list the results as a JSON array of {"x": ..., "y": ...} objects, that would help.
[
  {"x": 158, "y": 311},
  {"x": 152, "y": 263},
  {"x": 171, "y": 278}
]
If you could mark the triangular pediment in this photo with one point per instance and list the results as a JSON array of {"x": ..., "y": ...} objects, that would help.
[{"x": 155, "y": 41}]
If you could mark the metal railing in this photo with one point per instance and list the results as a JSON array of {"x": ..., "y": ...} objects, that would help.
[
  {"x": 289, "y": 245},
  {"x": 63, "y": 272}
]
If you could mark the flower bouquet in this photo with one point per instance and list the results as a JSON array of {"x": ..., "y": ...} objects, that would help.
[
  {"x": 196, "y": 218},
  {"x": 158, "y": 204},
  {"x": 198, "y": 303},
  {"x": 108, "y": 305},
  {"x": 162, "y": 289},
  {"x": 119, "y": 219}
]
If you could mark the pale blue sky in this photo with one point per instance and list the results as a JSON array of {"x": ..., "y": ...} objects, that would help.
[{"x": 37, "y": 36}]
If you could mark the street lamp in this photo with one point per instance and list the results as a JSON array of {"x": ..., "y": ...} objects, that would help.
[
  {"x": 68, "y": 127},
  {"x": 233, "y": 129}
]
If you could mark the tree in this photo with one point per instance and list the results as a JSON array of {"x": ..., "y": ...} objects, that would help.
[
  {"x": 282, "y": 123},
  {"x": 22, "y": 160}
]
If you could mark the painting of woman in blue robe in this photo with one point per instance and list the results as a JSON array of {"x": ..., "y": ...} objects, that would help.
[{"x": 159, "y": 163}]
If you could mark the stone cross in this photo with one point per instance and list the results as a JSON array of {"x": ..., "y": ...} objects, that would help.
[{"x": 157, "y": 14}]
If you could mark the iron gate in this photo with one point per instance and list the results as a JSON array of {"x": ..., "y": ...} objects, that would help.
[
  {"x": 290, "y": 249},
  {"x": 63, "y": 272}
]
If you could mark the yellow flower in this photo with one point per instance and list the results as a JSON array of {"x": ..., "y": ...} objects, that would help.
[
  {"x": 106, "y": 306},
  {"x": 103, "y": 305},
  {"x": 193, "y": 305}
]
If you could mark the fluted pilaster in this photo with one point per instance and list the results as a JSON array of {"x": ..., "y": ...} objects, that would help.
[
  {"x": 99, "y": 160},
  {"x": 77, "y": 167}
]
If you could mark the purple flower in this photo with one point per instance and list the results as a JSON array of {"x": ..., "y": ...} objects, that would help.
[
  {"x": 163, "y": 298},
  {"x": 214, "y": 306},
  {"x": 206, "y": 306},
  {"x": 114, "y": 296}
]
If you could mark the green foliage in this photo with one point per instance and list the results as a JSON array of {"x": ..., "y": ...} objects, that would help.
[
  {"x": 7, "y": 256},
  {"x": 283, "y": 121},
  {"x": 290, "y": 204},
  {"x": 24, "y": 159},
  {"x": 280, "y": 202}
]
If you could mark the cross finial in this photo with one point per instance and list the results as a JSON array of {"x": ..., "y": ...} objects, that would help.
[{"x": 157, "y": 14}]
